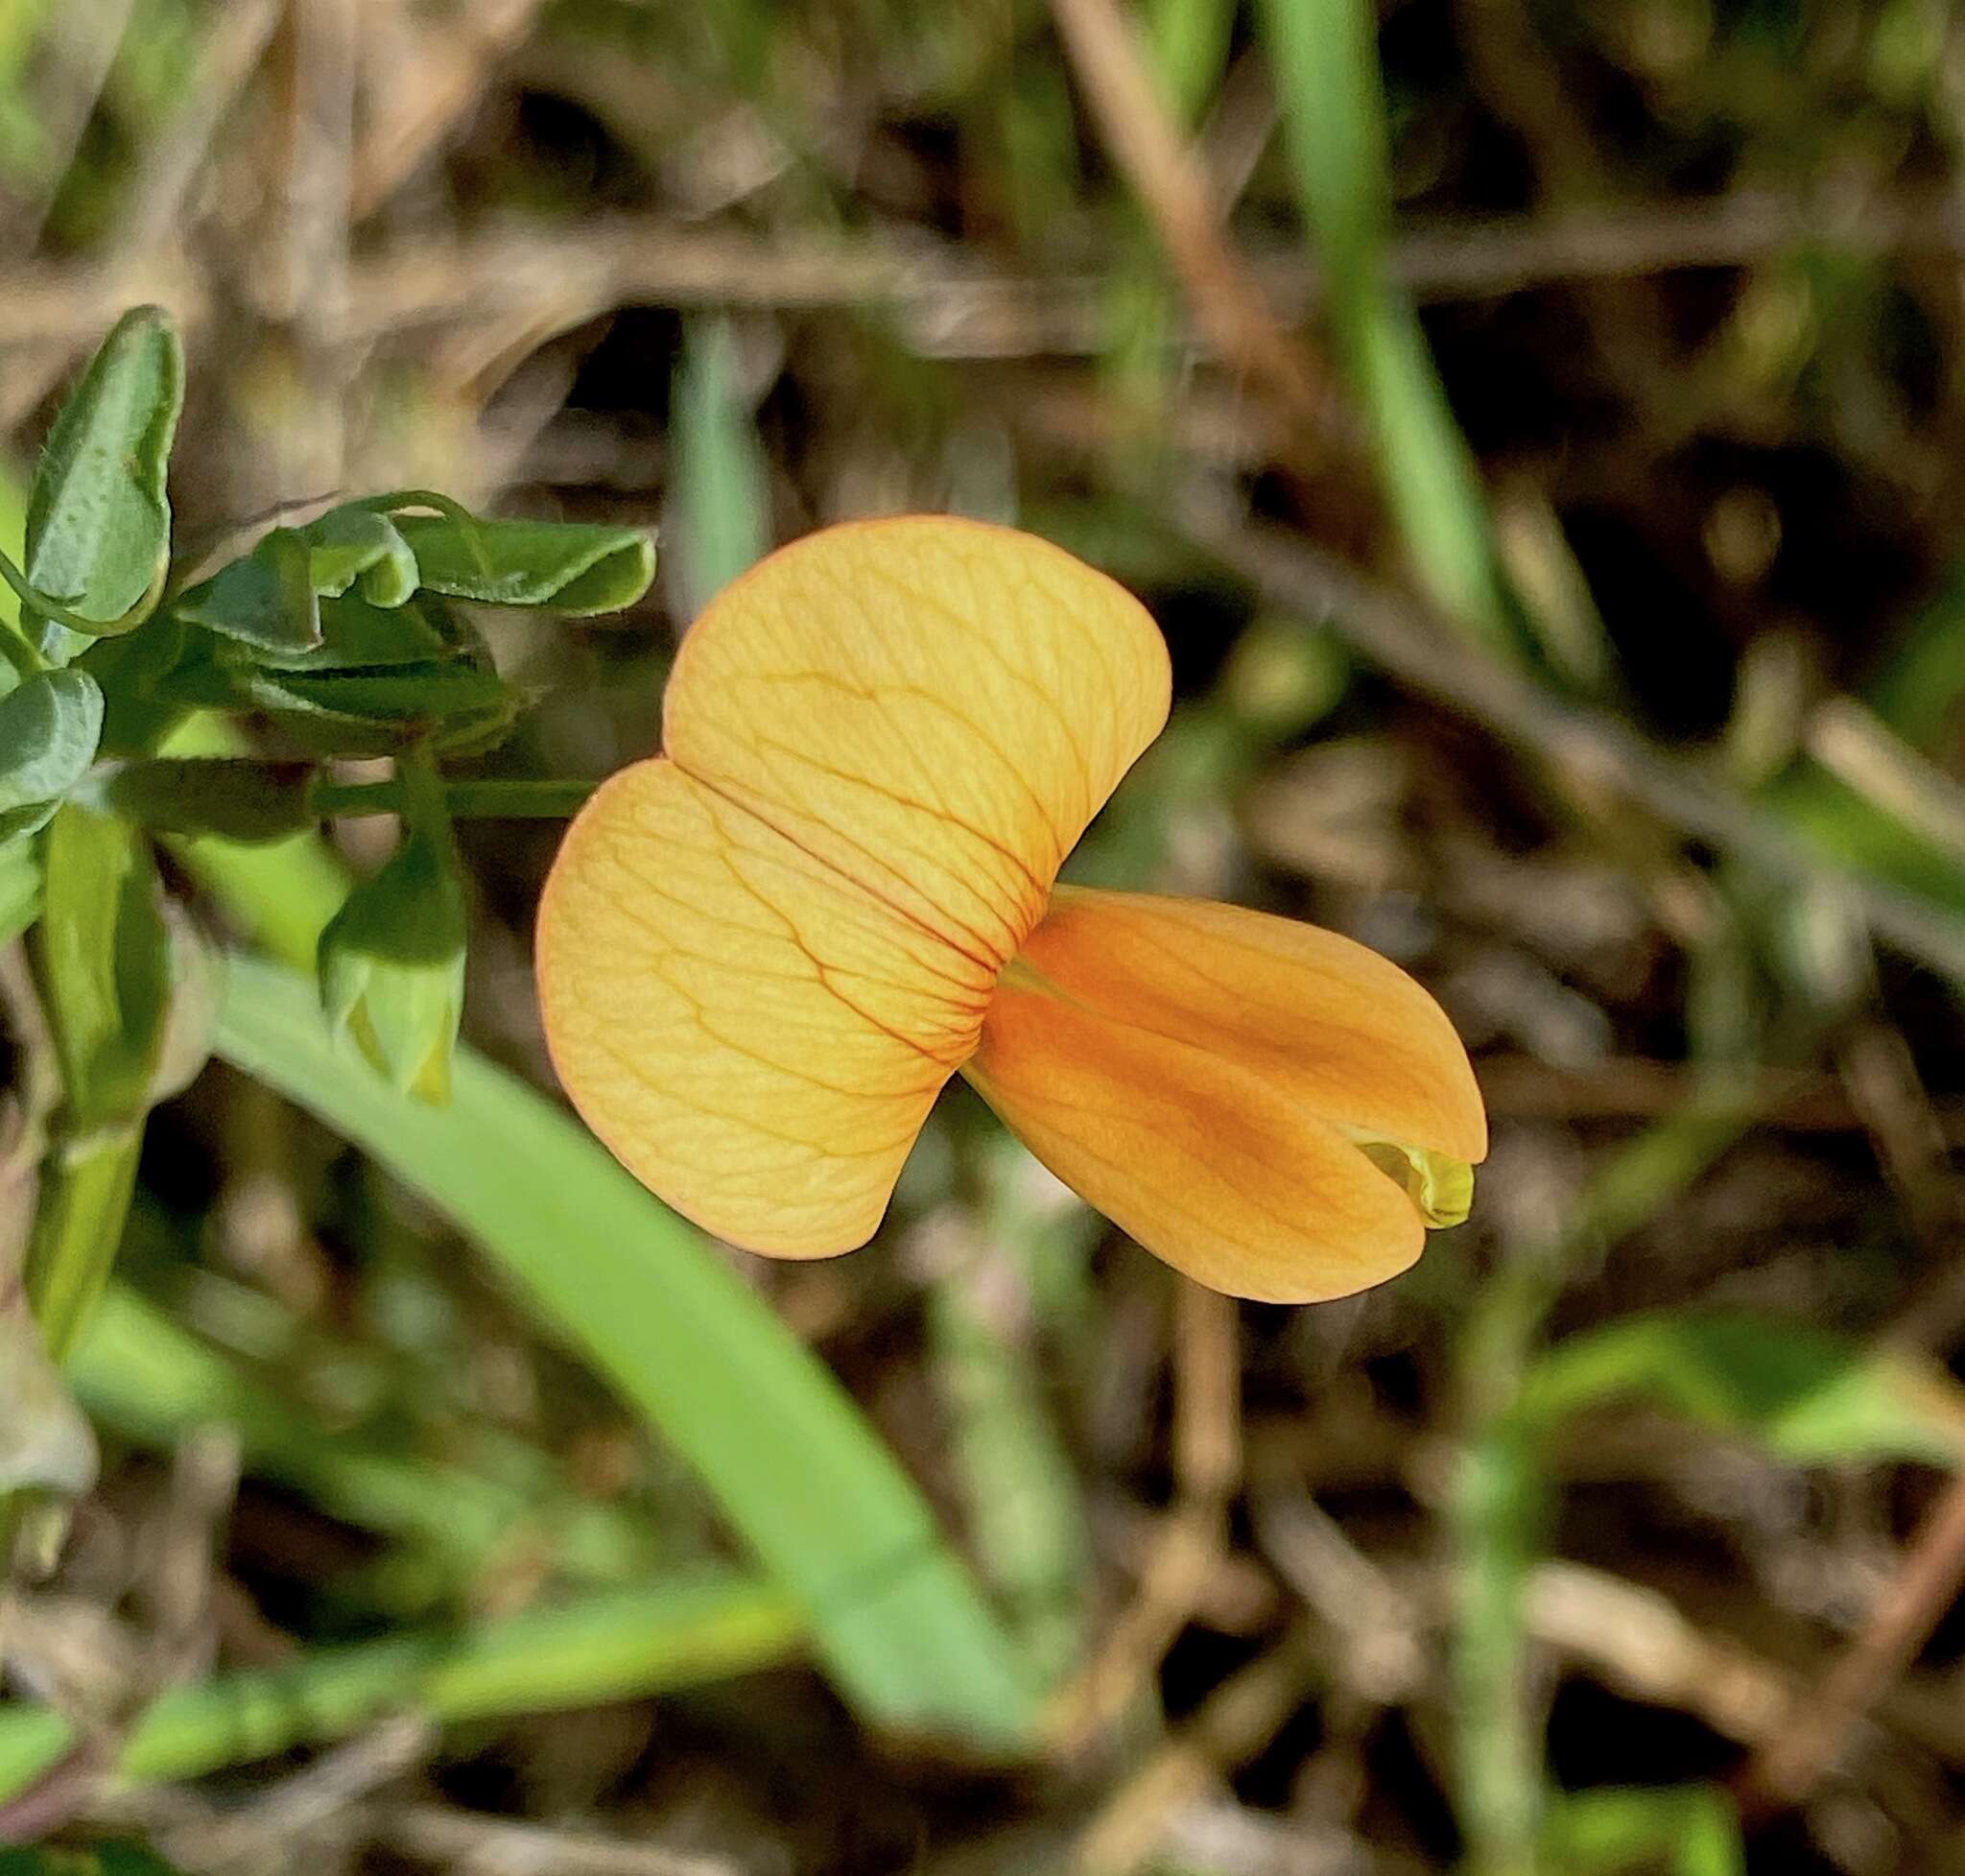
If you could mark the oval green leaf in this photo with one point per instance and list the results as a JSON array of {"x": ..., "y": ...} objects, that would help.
[
  {"x": 572, "y": 567},
  {"x": 49, "y": 730},
  {"x": 98, "y": 517}
]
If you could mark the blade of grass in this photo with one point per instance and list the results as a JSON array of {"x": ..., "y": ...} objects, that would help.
[
  {"x": 624, "y": 1646},
  {"x": 1024, "y": 1505},
  {"x": 145, "y": 1378},
  {"x": 1324, "y": 56},
  {"x": 723, "y": 520},
  {"x": 1499, "y": 1507},
  {"x": 677, "y": 1333},
  {"x": 1685, "y": 1830},
  {"x": 1496, "y": 1512}
]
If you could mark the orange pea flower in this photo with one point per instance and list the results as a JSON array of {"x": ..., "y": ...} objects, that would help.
[{"x": 762, "y": 953}]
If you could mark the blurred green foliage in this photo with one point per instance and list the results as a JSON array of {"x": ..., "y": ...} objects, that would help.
[{"x": 218, "y": 727}]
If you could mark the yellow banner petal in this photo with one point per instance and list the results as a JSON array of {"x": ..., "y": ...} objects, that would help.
[
  {"x": 760, "y": 957},
  {"x": 1204, "y": 1159},
  {"x": 1345, "y": 1034},
  {"x": 936, "y": 709}
]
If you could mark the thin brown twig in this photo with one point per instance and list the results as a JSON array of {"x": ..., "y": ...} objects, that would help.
[
  {"x": 1188, "y": 1548},
  {"x": 1378, "y": 1631},
  {"x": 948, "y": 305},
  {"x": 1235, "y": 1722},
  {"x": 1403, "y": 636},
  {"x": 1789, "y": 1765},
  {"x": 1207, "y": 1428},
  {"x": 1227, "y": 300},
  {"x": 422, "y": 80},
  {"x": 466, "y": 1839},
  {"x": 1884, "y": 1087}
]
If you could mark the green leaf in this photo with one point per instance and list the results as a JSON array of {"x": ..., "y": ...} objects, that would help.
[
  {"x": 358, "y": 635},
  {"x": 408, "y": 699},
  {"x": 265, "y": 600},
  {"x": 271, "y": 598},
  {"x": 453, "y": 706},
  {"x": 1189, "y": 40},
  {"x": 347, "y": 544},
  {"x": 391, "y": 961},
  {"x": 239, "y": 798},
  {"x": 144, "y": 1377},
  {"x": 49, "y": 729},
  {"x": 572, "y": 567},
  {"x": 85, "y": 1188},
  {"x": 103, "y": 966},
  {"x": 150, "y": 679},
  {"x": 1324, "y": 56},
  {"x": 676, "y": 1332},
  {"x": 1805, "y": 1394},
  {"x": 626, "y": 1645},
  {"x": 98, "y": 519}
]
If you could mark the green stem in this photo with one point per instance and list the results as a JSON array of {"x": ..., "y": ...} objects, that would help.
[
  {"x": 396, "y": 500},
  {"x": 468, "y": 801},
  {"x": 84, "y": 1198},
  {"x": 48, "y": 608},
  {"x": 619, "y": 1646},
  {"x": 19, "y": 652}
]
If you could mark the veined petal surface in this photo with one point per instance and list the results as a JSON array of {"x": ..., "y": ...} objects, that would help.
[
  {"x": 1207, "y": 1162},
  {"x": 936, "y": 709},
  {"x": 761, "y": 955},
  {"x": 1203, "y": 1075},
  {"x": 1341, "y": 1030},
  {"x": 754, "y": 1037}
]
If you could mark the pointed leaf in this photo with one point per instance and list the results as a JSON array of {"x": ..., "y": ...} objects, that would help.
[
  {"x": 693, "y": 1348},
  {"x": 1805, "y": 1394},
  {"x": 721, "y": 483},
  {"x": 357, "y": 634},
  {"x": 98, "y": 519},
  {"x": 572, "y": 567},
  {"x": 393, "y": 960},
  {"x": 374, "y": 711},
  {"x": 347, "y": 544},
  {"x": 49, "y": 729},
  {"x": 409, "y": 696},
  {"x": 267, "y": 598}
]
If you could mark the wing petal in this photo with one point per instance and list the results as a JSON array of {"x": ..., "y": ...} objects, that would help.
[{"x": 755, "y": 1038}]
